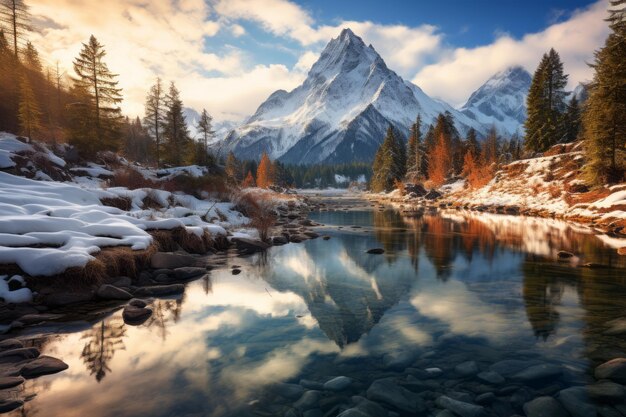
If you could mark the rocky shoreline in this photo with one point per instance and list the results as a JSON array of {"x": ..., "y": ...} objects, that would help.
[
  {"x": 164, "y": 275},
  {"x": 414, "y": 204}
]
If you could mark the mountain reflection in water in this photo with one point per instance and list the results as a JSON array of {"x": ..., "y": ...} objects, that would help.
[{"x": 459, "y": 285}]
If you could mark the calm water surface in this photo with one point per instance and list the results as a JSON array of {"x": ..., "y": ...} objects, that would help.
[{"x": 449, "y": 288}]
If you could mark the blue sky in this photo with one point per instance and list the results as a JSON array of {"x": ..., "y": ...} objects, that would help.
[
  {"x": 229, "y": 55},
  {"x": 466, "y": 22}
]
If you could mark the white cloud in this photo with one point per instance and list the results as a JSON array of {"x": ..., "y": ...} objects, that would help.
[
  {"x": 173, "y": 39},
  {"x": 462, "y": 70}
]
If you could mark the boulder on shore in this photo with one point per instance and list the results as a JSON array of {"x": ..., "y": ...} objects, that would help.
[
  {"x": 43, "y": 365},
  {"x": 247, "y": 246},
  {"x": 110, "y": 292},
  {"x": 135, "y": 315}
]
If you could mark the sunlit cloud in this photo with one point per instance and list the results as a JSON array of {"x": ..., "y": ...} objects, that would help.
[{"x": 183, "y": 41}]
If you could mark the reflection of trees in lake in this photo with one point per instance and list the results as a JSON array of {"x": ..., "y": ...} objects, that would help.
[
  {"x": 542, "y": 293},
  {"x": 164, "y": 311},
  {"x": 103, "y": 340},
  {"x": 602, "y": 294}
]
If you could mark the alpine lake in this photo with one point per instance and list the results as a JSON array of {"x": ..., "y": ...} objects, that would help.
[{"x": 472, "y": 313}]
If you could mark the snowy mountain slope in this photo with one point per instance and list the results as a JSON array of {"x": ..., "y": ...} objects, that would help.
[
  {"x": 501, "y": 101},
  {"x": 221, "y": 128},
  {"x": 341, "y": 111}
]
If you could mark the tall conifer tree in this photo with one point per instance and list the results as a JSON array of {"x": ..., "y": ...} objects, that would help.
[
  {"x": 155, "y": 116},
  {"x": 95, "y": 79},
  {"x": 604, "y": 118},
  {"x": 15, "y": 17},
  {"x": 175, "y": 131}
]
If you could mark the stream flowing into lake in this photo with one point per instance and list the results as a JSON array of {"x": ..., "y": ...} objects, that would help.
[{"x": 453, "y": 295}]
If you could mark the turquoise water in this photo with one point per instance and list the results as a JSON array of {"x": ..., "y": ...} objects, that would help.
[{"x": 451, "y": 287}]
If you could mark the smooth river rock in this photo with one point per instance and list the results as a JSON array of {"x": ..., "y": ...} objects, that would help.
[
  {"x": 134, "y": 315},
  {"x": 490, "y": 377},
  {"x": 576, "y": 402},
  {"x": 10, "y": 381},
  {"x": 461, "y": 408},
  {"x": 387, "y": 391},
  {"x": 538, "y": 372},
  {"x": 248, "y": 246},
  {"x": 614, "y": 370},
  {"x": 338, "y": 384},
  {"x": 308, "y": 400},
  {"x": 43, "y": 365},
  {"x": 188, "y": 272},
  {"x": 466, "y": 369},
  {"x": 160, "y": 290},
  {"x": 544, "y": 407},
  {"x": 606, "y": 391},
  {"x": 109, "y": 292},
  {"x": 18, "y": 355},
  {"x": 9, "y": 344}
]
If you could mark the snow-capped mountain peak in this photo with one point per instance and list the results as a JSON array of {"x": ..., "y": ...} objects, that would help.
[
  {"x": 501, "y": 100},
  {"x": 340, "y": 112}
]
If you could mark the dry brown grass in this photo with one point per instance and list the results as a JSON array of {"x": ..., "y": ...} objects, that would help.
[
  {"x": 122, "y": 203},
  {"x": 259, "y": 208},
  {"x": 150, "y": 201},
  {"x": 211, "y": 185},
  {"x": 554, "y": 190},
  {"x": 131, "y": 179}
]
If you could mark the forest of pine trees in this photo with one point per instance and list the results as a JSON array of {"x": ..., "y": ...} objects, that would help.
[
  {"x": 39, "y": 101},
  {"x": 553, "y": 117}
]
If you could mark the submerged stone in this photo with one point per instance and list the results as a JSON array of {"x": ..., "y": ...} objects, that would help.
[
  {"x": 387, "y": 391},
  {"x": 461, "y": 408},
  {"x": 614, "y": 370},
  {"x": 544, "y": 407},
  {"x": 576, "y": 402},
  {"x": 338, "y": 384}
]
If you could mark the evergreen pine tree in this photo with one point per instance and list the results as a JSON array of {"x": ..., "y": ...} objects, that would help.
[
  {"x": 15, "y": 16},
  {"x": 491, "y": 147},
  {"x": 205, "y": 128},
  {"x": 9, "y": 87},
  {"x": 429, "y": 144},
  {"x": 471, "y": 143},
  {"x": 177, "y": 143},
  {"x": 155, "y": 116},
  {"x": 604, "y": 119},
  {"x": 414, "y": 153},
  {"x": 571, "y": 121},
  {"x": 389, "y": 163},
  {"x": 545, "y": 104},
  {"x": 31, "y": 58},
  {"x": 95, "y": 79},
  {"x": 233, "y": 168},
  {"x": 29, "y": 111}
]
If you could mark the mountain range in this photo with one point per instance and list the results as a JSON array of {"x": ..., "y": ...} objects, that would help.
[{"x": 341, "y": 111}]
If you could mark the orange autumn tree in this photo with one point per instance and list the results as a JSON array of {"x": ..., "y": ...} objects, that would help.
[
  {"x": 264, "y": 173},
  {"x": 440, "y": 161},
  {"x": 248, "y": 181}
]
